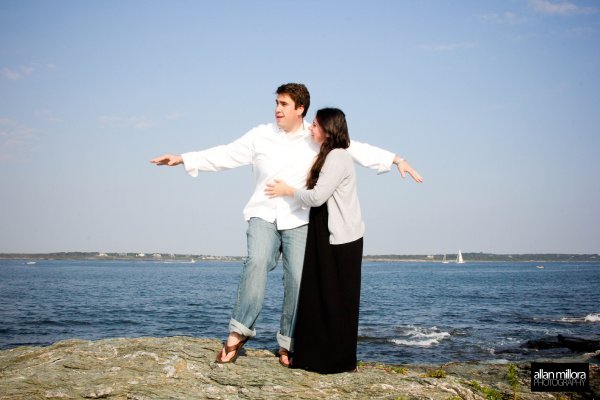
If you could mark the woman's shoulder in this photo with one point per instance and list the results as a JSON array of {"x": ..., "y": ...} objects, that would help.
[
  {"x": 340, "y": 154},
  {"x": 339, "y": 159}
]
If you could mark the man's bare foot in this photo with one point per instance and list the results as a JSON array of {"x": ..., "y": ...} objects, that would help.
[
  {"x": 233, "y": 340},
  {"x": 284, "y": 357}
]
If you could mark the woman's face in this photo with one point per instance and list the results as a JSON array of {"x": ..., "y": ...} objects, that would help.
[{"x": 316, "y": 132}]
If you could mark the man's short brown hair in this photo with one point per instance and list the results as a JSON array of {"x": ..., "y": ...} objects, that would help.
[{"x": 298, "y": 92}]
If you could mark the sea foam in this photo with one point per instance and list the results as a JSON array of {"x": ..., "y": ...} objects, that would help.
[
  {"x": 592, "y": 318},
  {"x": 420, "y": 337},
  {"x": 579, "y": 320}
]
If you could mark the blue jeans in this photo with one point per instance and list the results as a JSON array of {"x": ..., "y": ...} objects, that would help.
[{"x": 265, "y": 244}]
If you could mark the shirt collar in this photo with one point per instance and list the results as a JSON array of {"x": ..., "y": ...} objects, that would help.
[{"x": 302, "y": 132}]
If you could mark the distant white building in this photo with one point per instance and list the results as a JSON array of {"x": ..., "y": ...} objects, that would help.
[
  {"x": 141, "y": 255},
  {"x": 102, "y": 255},
  {"x": 157, "y": 255}
]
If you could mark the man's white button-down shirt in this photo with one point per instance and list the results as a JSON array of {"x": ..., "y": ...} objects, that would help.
[{"x": 275, "y": 154}]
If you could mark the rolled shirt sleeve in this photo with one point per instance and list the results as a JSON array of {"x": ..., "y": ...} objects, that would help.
[
  {"x": 235, "y": 154},
  {"x": 371, "y": 156}
]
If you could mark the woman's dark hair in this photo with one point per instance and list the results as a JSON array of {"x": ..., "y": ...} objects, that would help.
[{"x": 333, "y": 123}]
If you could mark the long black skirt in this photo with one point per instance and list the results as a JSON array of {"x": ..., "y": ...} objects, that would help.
[{"x": 327, "y": 318}]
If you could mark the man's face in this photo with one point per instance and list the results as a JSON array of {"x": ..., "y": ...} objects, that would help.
[{"x": 287, "y": 116}]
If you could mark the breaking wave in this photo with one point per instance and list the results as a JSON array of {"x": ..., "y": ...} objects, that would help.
[
  {"x": 590, "y": 318},
  {"x": 415, "y": 336}
]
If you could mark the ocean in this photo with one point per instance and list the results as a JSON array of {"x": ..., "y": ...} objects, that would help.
[{"x": 410, "y": 312}]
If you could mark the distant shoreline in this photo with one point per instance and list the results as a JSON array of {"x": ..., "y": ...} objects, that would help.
[{"x": 435, "y": 258}]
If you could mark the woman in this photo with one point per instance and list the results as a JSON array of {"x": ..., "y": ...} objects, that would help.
[{"x": 327, "y": 318}]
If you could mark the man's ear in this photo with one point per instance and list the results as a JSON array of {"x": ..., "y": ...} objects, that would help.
[{"x": 300, "y": 110}]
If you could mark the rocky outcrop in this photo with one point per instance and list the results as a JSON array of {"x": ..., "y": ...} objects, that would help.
[
  {"x": 585, "y": 345},
  {"x": 184, "y": 368}
]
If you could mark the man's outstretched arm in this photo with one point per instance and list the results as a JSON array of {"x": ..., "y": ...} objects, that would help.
[
  {"x": 232, "y": 155},
  {"x": 381, "y": 160}
]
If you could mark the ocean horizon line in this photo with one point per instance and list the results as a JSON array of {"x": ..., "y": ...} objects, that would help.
[{"x": 436, "y": 257}]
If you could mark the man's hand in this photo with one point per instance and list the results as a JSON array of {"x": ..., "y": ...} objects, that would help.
[
  {"x": 168, "y": 159},
  {"x": 405, "y": 167}
]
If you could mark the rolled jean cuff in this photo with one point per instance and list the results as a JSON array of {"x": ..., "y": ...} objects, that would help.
[
  {"x": 235, "y": 326},
  {"x": 284, "y": 341}
]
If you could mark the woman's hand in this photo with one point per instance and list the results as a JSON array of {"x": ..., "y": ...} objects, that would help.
[{"x": 279, "y": 188}]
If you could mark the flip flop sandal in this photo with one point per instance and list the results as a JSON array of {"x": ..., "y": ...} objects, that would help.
[{"x": 228, "y": 349}]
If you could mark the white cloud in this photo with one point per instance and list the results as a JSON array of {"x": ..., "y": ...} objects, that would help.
[
  {"x": 47, "y": 115},
  {"x": 14, "y": 74},
  {"x": 446, "y": 47},
  {"x": 175, "y": 116},
  {"x": 559, "y": 8},
  {"x": 135, "y": 122},
  {"x": 17, "y": 73},
  {"x": 14, "y": 136},
  {"x": 581, "y": 32},
  {"x": 504, "y": 18}
]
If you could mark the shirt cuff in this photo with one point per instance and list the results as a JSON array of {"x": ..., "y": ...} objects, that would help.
[
  {"x": 189, "y": 160},
  {"x": 387, "y": 165}
]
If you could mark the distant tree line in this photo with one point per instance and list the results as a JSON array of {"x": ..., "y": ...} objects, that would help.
[
  {"x": 483, "y": 257},
  {"x": 468, "y": 257}
]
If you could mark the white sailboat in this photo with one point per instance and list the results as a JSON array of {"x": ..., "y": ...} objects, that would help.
[
  {"x": 459, "y": 258},
  {"x": 444, "y": 261}
]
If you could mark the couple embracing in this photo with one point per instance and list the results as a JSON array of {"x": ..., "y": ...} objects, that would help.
[{"x": 304, "y": 208}]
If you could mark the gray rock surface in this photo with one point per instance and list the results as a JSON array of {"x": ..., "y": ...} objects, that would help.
[{"x": 184, "y": 368}]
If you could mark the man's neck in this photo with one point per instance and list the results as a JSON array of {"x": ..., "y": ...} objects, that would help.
[{"x": 297, "y": 127}]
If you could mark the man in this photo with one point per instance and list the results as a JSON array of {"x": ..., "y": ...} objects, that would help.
[{"x": 276, "y": 226}]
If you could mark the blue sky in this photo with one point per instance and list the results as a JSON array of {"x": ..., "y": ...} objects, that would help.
[{"x": 495, "y": 103}]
